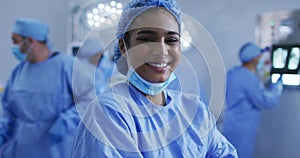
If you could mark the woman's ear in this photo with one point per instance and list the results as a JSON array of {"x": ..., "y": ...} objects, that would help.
[{"x": 122, "y": 47}]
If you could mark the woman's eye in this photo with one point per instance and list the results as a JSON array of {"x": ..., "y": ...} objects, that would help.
[
  {"x": 145, "y": 39},
  {"x": 172, "y": 40}
]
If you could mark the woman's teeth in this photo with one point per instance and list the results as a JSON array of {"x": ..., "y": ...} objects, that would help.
[{"x": 158, "y": 64}]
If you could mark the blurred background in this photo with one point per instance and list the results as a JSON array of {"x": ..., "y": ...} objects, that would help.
[{"x": 230, "y": 23}]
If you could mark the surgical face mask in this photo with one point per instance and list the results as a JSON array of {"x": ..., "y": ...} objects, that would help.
[
  {"x": 143, "y": 85},
  {"x": 17, "y": 53},
  {"x": 260, "y": 64}
]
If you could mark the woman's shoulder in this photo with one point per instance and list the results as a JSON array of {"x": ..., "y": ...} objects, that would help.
[
  {"x": 113, "y": 94},
  {"x": 118, "y": 89},
  {"x": 194, "y": 109},
  {"x": 188, "y": 100},
  {"x": 182, "y": 96}
]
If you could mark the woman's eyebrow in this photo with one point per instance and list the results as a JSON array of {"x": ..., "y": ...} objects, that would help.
[
  {"x": 172, "y": 33},
  {"x": 147, "y": 32},
  {"x": 154, "y": 32}
]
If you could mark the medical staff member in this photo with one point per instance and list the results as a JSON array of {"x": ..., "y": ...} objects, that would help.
[
  {"x": 93, "y": 53},
  {"x": 246, "y": 97},
  {"x": 39, "y": 115},
  {"x": 140, "y": 117}
]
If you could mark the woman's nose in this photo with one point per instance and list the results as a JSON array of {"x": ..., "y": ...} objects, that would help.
[{"x": 160, "y": 49}]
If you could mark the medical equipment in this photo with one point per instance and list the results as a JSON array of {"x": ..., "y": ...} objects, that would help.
[{"x": 285, "y": 62}]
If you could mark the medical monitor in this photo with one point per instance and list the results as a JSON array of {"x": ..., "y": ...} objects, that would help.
[{"x": 285, "y": 62}]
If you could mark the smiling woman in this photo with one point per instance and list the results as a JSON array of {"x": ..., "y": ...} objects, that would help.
[
  {"x": 142, "y": 117},
  {"x": 151, "y": 47},
  {"x": 154, "y": 52}
]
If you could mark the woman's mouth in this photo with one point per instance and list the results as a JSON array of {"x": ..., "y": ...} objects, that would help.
[{"x": 159, "y": 67}]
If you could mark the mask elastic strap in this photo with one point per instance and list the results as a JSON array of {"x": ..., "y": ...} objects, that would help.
[{"x": 127, "y": 57}]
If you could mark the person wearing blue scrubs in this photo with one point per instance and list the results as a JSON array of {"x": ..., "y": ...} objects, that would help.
[
  {"x": 246, "y": 97},
  {"x": 93, "y": 53},
  {"x": 190, "y": 88},
  {"x": 142, "y": 117},
  {"x": 39, "y": 115}
]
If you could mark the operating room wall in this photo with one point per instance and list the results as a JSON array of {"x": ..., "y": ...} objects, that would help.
[
  {"x": 52, "y": 12},
  {"x": 230, "y": 23}
]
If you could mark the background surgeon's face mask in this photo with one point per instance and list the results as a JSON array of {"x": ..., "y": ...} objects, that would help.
[
  {"x": 260, "y": 64},
  {"x": 17, "y": 53}
]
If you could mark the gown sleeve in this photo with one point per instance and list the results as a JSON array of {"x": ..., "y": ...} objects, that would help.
[
  {"x": 7, "y": 119},
  {"x": 264, "y": 98},
  {"x": 104, "y": 135},
  {"x": 218, "y": 145},
  {"x": 80, "y": 85}
]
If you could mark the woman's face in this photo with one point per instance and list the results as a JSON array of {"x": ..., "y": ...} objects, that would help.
[{"x": 153, "y": 45}]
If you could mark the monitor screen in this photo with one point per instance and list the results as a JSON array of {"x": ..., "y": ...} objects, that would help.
[
  {"x": 279, "y": 58},
  {"x": 294, "y": 58},
  {"x": 285, "y": 62}
]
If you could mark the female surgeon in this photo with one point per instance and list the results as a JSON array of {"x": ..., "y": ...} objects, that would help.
[{"x": 141, "y": 117}]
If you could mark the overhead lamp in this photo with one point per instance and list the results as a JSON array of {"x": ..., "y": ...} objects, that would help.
[
  {"x": 186, "y": 39},
  {"x": 104, "y": 15},
  {"x": 101, "y": 15}
]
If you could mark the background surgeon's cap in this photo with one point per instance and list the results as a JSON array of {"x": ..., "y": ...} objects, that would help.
[
  {"x": 136, "y": 8},
  {"x": 31, "y": 28},
  {"x": 250, "y": 51},
  {"x": 90, "y": 47}
]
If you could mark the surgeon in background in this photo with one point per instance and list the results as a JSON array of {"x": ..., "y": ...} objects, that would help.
[
  {"x": 93, "y": 53},
  {"x": 39, "y": 115},
  {"x": 246, "y": 97}
]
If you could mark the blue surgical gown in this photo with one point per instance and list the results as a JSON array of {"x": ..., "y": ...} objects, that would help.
[
  {"x": 103, "y": 73},
  {"x": 122, "y": 122},
  {"x": 246, "y": 97},
  {"x": 36, "y": 95},
  {"x": 190, "y": 87}
]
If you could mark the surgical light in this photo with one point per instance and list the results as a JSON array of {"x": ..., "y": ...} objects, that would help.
[
  {"x": 113, "y": 3},
  {"x": 101, "y": 15},
  {"x": 186, "y": 39},
  {"x": 104, "y": 15}
]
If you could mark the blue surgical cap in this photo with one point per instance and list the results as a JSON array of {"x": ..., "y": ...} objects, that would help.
[
  {"x": 250, "y": 51},
  {"x": 136, "y": 8},
  {"x": 90, "y": 47},
  {"x": 31, "y": 28}
]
